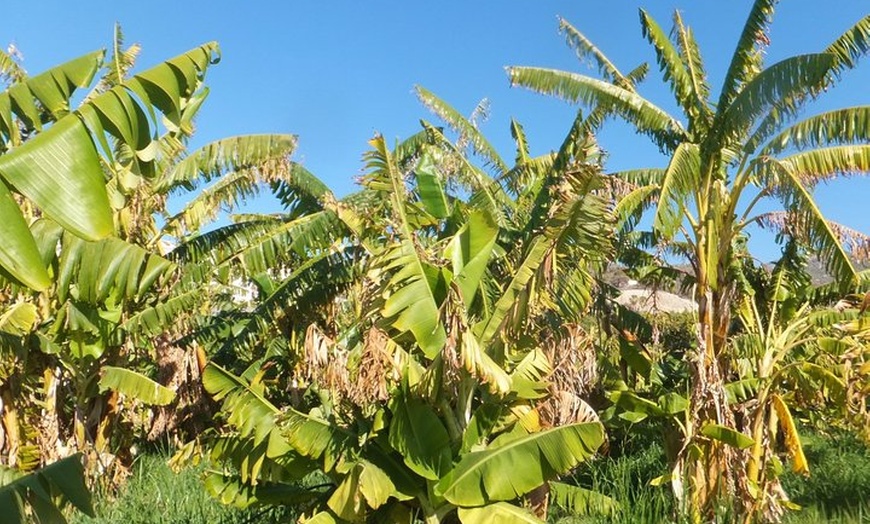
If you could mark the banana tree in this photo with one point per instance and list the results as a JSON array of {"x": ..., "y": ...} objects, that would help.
[
  {"x": 792, "y": 358},
  {"x": 733, "y": 153},
  {"x": 415, "y": 386},
  {"x": 99, "y": 329},
  {"x": 56, "y": 149}
]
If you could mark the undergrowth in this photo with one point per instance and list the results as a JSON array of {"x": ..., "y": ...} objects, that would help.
[{"x": 154, "y": 494}]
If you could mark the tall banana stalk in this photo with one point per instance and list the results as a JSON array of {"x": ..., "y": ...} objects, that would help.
[{"x": 733, "y": 153}]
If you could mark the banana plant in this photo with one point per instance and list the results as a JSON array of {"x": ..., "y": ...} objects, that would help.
[
  {"x": 794, "y": 359},
  {"x": 413, "y": 393},
  {"x": 49, "y": 152},
  {"x": 97, "y": 338},
  {"x": 727, "y": 155},
  {"x": 44, "y": 492}
]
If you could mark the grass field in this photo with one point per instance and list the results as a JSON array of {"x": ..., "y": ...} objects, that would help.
[{"x": 837, "y": 491}]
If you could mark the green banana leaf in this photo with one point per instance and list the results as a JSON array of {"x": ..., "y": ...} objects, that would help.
[{"x": 514, "y": 466}]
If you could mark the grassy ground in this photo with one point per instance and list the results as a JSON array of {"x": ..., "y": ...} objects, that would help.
[
  {"x": 838, "y": 490},
  {"x": 154, "y": 494}
]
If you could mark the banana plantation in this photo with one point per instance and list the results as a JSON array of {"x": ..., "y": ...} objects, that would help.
[{"x": 445, "y": 344}]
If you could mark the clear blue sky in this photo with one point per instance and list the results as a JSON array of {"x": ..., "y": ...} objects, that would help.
[{"x": 335, "y": 73}]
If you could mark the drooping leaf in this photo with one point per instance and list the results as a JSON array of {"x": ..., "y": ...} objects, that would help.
[
  {"x": 227, "y": 155},
  {"x": 51, "y": 89},
  {"x": 807, "y": 223},
  {"x": 18, "y": 319},
  {"x": 19, "y": 254},
  {"x": 841, "y": 126},
  {"x": 375, "y": 485},
  {"x": 418, "y": 435},
  {"x": 644, "y": 115},
  {"x": 493, "y": 474},
  {"x": 726, "y": 435},
  {"x": 581, "y": 501},
  {"x": 246, "y": 409},
  {"x": 792, "y": 439},
  {"x": 65, "y": 476},
  {"x": 347, "y": 500},
  {"x": 501, "y": 512},
  {"x": 135, "y": 385},
  {"x": 232, "y": 490}
]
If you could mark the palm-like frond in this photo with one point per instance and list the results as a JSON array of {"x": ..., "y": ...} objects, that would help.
[
  {"x": 246, "y": 408},
  {"x": 643, "y": 114},
  {"x": 224, "y": 195},
  {"x": 152, "y": 320},
  {"x": 585, "y": 49},
  {"x": 294, "y": 239},
  {"x": 238, "y": 491},
  {"x": 682, "y": 178},
  {"x": 525, "y": 178},
  {"x": 823, "y": 164},
  {"x": 806, "y": 221},
  {"x": 465, "y": 129},
  {"x": 228, "y": 155},
  {"x": 778, "y": 88},
  {"x": 10, "y": 70},
  {"x": 671, "y": 63},
  {"x": 841, "y": 126},
  {"x": 630, "y": 208},
  {"x": 815, "y": 165},
  {"x": 315, "y": 282},
  {"x": 691, "y": 57},
  {"x": 581, "y": 501},
  {"x": 45, "y": 97},
  {"x": 519, "y": 136},
  {"x": 59, "y": 169},
  {"x": 855, "y": 242},
  {"x": 844, "y": 54},
  {"x": 641, "y": 177},
  {"x": 575, "y": 226},
  {"x": 851, "y": 45},
  {"x": 95, "y": 270},
  {"x": 747, "y": 59}
]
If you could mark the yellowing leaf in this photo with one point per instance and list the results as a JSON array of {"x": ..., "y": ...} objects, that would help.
[
  {"x": 501, "y": 512},
  {"x": 792, "y": 439}
]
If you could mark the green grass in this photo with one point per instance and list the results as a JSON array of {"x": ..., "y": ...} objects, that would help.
[
  {"x": 625, "y": 478},
  {"x": 838, "y": 488},
  {"x": 836, "y": 492},
  {"x": 155, "y": 494}
]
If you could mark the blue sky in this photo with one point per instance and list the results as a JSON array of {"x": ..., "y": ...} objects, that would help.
[{"x": 335, "y": 73}]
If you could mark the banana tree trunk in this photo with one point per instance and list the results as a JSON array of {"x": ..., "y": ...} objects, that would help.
[
  {"x": 10, "y": 429},
  {"x": 713, "y": 471}
]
